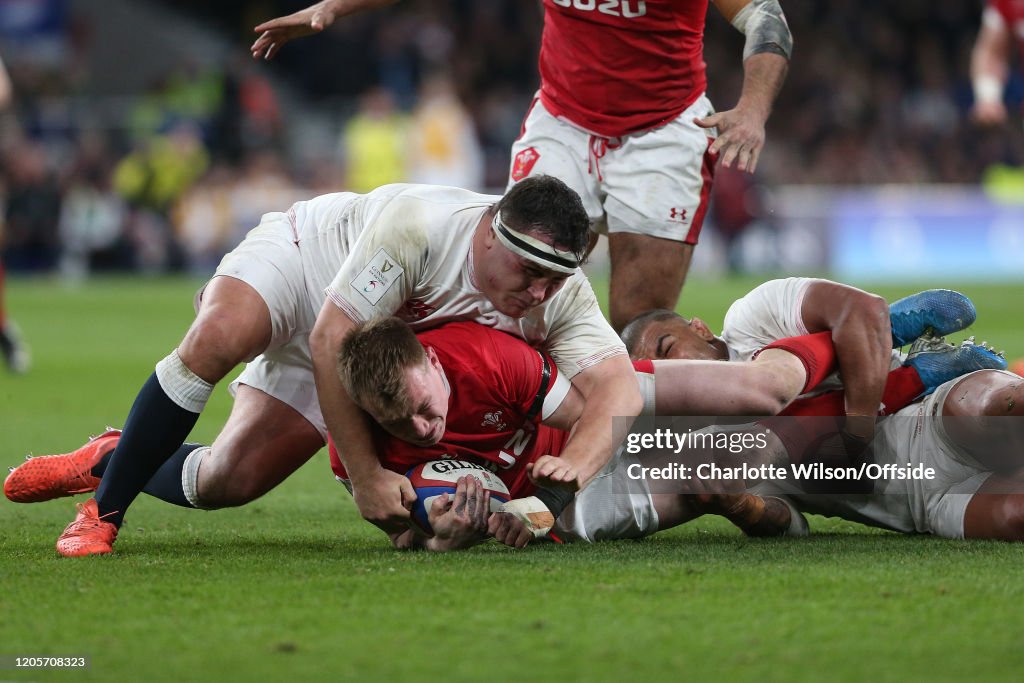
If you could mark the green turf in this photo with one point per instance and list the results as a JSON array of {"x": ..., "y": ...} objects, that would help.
[{"x": 295, "y": 587}]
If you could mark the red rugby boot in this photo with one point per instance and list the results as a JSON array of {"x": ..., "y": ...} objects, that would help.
[
  {"x": 88, "y": 534},
  {"x": 56, "y": 476}
]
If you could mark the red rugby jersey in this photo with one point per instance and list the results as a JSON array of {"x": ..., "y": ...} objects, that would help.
[
  {"x": 495, "y": 380},
  {"x": 619, "y": 66}
]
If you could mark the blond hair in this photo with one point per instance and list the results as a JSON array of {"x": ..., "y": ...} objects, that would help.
[{"x": 372, "y": 363}]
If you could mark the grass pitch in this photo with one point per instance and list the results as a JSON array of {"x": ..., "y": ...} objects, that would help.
[{"x": 295, "y": 587}]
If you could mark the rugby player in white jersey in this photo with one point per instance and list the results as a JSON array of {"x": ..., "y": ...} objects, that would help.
[
  {"x": 967, "y": 430},
  {"x": 289, "y": 293}
]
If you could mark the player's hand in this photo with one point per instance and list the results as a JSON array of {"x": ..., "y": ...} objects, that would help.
[
  {"x": 277, "y": 32},
  {"x": 461, "y": 521},
  {"x": 384, "y": 499},
  {"x": 509, "y": 529},
  {"x": 740, "y": 137},
  {"x": 989, "y": 114},
  {"x": 550, "y": 472}
]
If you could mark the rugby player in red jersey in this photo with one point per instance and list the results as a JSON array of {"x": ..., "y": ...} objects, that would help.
[{"x": 622, "y": 118}]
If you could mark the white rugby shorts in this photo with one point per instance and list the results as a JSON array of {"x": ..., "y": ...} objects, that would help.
[
  {"x": 613, "y": 506},
  {"x": 269, "y": 261},
  {"x": 654, "y": 182},
  {"x": 938, "y": 505},
  {"x": 912, "y": 436}
]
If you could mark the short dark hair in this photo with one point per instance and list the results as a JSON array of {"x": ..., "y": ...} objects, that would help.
[
  {"x": 636, "y": 327},
  {"x": 544, "y": 205},
  {"x": 372, "y": 362}
]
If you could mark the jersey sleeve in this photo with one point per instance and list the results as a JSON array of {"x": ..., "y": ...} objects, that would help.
[
  {"x": 385, "y": 264},
  {"x": 529, "y": 378},
  {"x": 579, "y": 335},
  {"x": 771, "y": 311}
]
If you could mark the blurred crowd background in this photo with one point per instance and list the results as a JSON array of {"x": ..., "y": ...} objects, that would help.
[{"x": 142, "y": 136}]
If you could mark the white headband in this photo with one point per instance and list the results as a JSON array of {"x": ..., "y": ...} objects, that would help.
[{"x": 532, "y": 249}]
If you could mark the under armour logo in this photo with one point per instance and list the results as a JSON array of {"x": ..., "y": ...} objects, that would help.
[{"x": 678, "y": 215}]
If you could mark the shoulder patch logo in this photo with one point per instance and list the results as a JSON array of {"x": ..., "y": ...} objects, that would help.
[
  {"x": 377, "y": 277},
  {"x": 523, "y": 163}
]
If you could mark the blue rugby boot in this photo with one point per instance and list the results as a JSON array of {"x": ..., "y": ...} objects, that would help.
[
  {"x": 933, "y": 311},
  {"x": 938, "y": 362}
]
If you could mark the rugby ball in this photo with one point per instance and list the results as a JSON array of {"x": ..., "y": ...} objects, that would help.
[{"x": 437, "y": 477}]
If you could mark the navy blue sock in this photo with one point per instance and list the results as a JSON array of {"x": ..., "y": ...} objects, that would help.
[
  {"x": 166, "y": 483},
  {"x": 99, "y": 468},
  {"x": 156, "y": 427}
]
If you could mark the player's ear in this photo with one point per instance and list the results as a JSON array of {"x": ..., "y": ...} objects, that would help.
[
  {"x": 489, "y": 237},
  {"x": 432, "y": 357},
  {"x": 702, "y": 329}
]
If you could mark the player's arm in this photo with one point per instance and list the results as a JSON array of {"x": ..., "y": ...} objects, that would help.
[
  {"x": 990, "y": 60},
  {"x": 766, "y": 54},
  {"x": 314, "y": 19},
  {"x": 760, "y": 387},
  {"x": 374, "y": 281},
  {"x": 382, "y": 496},
  {"x": 568, "y": 412},
  {"x": 609, "y": 389},
  {"x": 862, "y": 337}
]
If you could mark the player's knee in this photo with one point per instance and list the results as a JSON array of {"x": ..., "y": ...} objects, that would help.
[
  {"x": 218, "y": 341},
  {"x": 1005, "y": 397}
]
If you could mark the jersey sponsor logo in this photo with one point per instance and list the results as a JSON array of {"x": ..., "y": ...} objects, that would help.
[
  {"x": 493, "y": 419},
  {"x": 613, "y": 8},
  {"x": 677, "y": 215},
  {"x": 524, "y": 163},
  {"x": 377, "y": 277}
]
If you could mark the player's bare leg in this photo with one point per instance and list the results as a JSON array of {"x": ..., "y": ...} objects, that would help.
[
  {"x": 984, "y": 415},
  {"x": 755, "y": 515},
  {"x": 646, "y": 273},
  {"x": 678, "y": 502},
  {"x": 232, "y": 326},
  {"x": 996, "y": 510},
  {"x": 262, "y": 443}
]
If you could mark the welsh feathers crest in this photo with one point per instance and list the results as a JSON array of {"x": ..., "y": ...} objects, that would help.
[{"x": 493, "y": 419}]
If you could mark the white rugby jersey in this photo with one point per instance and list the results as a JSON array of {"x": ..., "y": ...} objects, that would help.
[
  {"x": 406, "y": 250},
  {"x": 768, "y": 313},
  {"x": 773, "y": 311}
]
